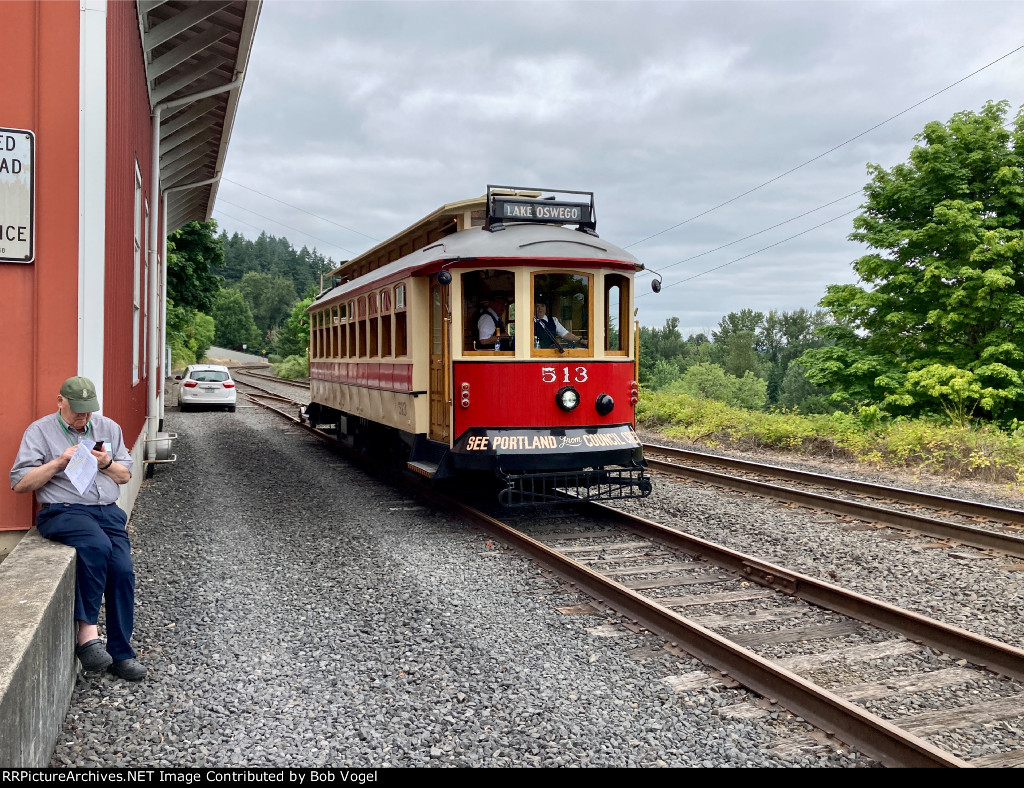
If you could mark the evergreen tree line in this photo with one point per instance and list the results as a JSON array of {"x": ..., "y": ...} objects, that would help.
[
  {"x": 935, "y": 326},
  {"x": 237, "y": 293}
]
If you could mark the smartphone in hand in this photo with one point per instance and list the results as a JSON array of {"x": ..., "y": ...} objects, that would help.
[{"x": 98, "y": 446}]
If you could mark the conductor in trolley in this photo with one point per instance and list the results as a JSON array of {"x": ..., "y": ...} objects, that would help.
[
  {"x": 75, "y": 461},
  {"x": 548, "y": 331},
  {"x": 491, "y": 331}
]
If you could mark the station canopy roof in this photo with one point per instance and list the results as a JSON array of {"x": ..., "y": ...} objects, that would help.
[{"x": 193, "y": 46}]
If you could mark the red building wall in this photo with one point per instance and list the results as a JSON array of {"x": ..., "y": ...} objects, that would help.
[
  {"x": 39, "y": 316},
  {"x": 129, "y": 140}
]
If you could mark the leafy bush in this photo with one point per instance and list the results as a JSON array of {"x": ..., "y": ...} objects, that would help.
[
  {"x": 710, "y": 381},
  {"x": 292, "y": 368}
]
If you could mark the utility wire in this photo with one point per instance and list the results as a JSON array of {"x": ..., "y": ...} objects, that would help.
[
  {"x": 296, "y": 229},
  {"x": 221, "y": 212},
  {"x": 218, "y": 210},
  {"x": 763, "y": 249},
  {"x": 297, "y": 208},
  {"x": 759, "y": 232},
  {"x": 826, "y": 153}
]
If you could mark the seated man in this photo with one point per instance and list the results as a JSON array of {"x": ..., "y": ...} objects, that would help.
[
  {"x": 548, "y": 332},
  {"x": 491, "y": 331},
  {"x": 90, "y": 521}
]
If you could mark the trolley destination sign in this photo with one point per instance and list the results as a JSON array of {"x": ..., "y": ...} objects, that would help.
[
  {"x": 17, "y": 196},
  {"x": 512, "y": 210}
]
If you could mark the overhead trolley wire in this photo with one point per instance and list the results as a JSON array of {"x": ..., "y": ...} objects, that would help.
[
  {"x": 826, "y": 153},
  {"x": 296, "y": 229},
  {"x": 297, "y": 208},
  {"x": 760, "y": 232},
  {"x": 762, "y": 249},
  {"x": 220, "y": 211}
]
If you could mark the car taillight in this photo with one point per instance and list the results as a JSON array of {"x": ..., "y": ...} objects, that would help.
[
  {"x": 229, "y": 385},
  {"x": 190, "y": 384}
]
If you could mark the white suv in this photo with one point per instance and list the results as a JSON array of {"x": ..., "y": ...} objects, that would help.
[{"x": 206, "y": 384}]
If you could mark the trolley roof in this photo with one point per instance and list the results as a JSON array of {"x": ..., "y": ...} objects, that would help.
[
  {"x": 500, "y": 206},
  {"x": 443, "y": 222},
  {"x": 516, "y": 244}
]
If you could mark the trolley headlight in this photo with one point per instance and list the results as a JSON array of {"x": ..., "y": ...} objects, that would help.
[
  {"x": 567, "y": 398},
  {"x": 604, "y": 404}
]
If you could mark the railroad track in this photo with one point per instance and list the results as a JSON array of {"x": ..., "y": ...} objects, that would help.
[
  {"x": 848, "y": 664},
  {"x": 980, "y": 525},
  {"x": 899, "y": 687},
  {"x": 254, "y": 371}
]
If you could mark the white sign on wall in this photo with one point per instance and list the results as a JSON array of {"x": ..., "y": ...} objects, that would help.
[{"x": 17, "y": 195}]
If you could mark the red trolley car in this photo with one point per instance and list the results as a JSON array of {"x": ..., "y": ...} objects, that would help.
[{"x": 494, "y": 336}]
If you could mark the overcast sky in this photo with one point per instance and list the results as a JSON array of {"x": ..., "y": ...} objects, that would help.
[{"x": 370, "y": 115}]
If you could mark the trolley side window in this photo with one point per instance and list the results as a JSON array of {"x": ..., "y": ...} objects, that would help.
[
  {"x": 488, "y": 311},
  {"x": 342, "y": 331},
  {"x": 361, "y": 306},
  {"x": 373, "y": 322},
  {"x": 318, "y": 342},
  {"x": 616, "y": 322},
  {"x": 401, "y": 327},
  {"x": 352, "y": 329},
  {"x": 561, "y": 314},
  {"x": 335, "y": 326},
  {"x": 385, "y": 323}
]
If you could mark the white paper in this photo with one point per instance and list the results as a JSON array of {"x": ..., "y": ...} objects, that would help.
[{"x": 83, "y": 467}]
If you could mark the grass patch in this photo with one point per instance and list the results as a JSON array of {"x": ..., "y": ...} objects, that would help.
[{"x": 979, "y": 452}]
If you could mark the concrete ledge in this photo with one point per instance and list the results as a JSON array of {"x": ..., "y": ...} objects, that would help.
[{"x": 37, "y": 649}]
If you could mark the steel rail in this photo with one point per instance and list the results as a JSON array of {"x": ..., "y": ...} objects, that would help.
[
  {"x": 969, "y": 508},
  {"x": 985, "y": 652},
  {"x": 283, "y": 381},
  {"x": 838, "y": 717},
  {"x": 965, "y": 534}
]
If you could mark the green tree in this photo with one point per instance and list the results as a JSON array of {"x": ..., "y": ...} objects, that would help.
[
  {"x": 739, "y": 354},
  {"x": 784, "y": 337},
  {"x": 189, "y": 334},
  {"x": 234, "y": 323},
  {"x": 938, "y": 322},
  {"x": 193, "y": 253},
  {"x": 270, "y": 298},
  {"x": 663, "y": 350},
  {"x": 797, "y": 392},
  {"x": 292, "y": 339}
]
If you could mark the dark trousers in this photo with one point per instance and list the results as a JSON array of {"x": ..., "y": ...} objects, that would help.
[{"x": 104, "y": 566}]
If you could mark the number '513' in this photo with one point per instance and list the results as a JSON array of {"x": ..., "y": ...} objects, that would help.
[{"x": 569, "y": 375}]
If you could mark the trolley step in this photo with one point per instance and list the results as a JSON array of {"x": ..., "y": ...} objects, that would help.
[{"x": 428, "y": 469}]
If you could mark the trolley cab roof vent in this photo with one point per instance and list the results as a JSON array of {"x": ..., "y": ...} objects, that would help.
[{"x": 539, "y": 206}]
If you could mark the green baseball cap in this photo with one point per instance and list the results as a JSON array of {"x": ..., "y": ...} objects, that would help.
[{"x": 80, "y": 394}]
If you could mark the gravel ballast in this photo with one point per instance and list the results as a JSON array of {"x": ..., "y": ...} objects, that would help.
[{"x": 296, "y": 611}]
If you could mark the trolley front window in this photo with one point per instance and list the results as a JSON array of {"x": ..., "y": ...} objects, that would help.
[
  {"x": 561, "y": 314},
  {"x": 489, "y": 311},
  {"x": 616, "y": 324}
]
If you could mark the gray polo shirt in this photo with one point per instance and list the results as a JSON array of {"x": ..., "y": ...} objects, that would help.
[{"x": 47, "y": 438}]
